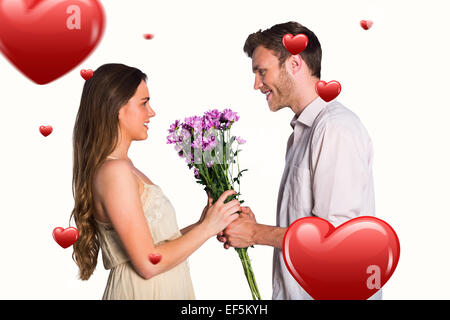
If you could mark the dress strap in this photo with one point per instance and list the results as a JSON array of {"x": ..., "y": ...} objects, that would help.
[
  {"x": 139, "y": 177},
  {"x": 131, "y": 170}
]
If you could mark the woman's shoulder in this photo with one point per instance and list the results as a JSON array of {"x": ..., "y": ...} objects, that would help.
[{"x": 112, "y": 171}]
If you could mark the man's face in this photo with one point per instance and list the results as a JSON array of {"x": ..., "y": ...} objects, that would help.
[{"x": 271, "y": 79}]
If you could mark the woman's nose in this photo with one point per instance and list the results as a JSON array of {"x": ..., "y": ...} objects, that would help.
[{"x": 151, "y": 111}]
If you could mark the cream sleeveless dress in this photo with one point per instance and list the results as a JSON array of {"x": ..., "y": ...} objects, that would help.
[{"x": 124, "y": 282}]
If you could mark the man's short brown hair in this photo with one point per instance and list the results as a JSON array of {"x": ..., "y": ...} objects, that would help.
[{"x": 272, "y": 39}]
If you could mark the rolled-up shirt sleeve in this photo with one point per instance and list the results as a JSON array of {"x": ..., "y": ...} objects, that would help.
[{"x": 340, "y": 172}]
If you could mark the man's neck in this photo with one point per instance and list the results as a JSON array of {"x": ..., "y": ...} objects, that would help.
[{"x": 305, "y": 94}]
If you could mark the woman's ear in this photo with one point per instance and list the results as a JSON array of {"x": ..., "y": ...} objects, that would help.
[{"x": 121, "y": 113}]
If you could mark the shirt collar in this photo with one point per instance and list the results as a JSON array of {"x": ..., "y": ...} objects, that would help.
[{"x": 309, "y": 114}]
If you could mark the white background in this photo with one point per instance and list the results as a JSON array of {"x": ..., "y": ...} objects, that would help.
[{"x": 393, "y": 76}]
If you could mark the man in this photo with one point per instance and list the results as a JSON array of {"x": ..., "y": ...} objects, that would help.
[{"x": 328, "y": 171}]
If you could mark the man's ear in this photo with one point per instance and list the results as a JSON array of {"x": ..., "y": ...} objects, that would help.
[{"x": 295, "y": 63}]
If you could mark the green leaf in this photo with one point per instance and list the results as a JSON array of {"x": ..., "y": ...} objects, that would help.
[{"x": 237, "y": 151}]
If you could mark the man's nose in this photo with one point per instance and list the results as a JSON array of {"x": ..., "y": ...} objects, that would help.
[{"x": 258, "y": 83}]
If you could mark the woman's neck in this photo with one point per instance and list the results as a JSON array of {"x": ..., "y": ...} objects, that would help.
[{"x": 121, "y": 150}]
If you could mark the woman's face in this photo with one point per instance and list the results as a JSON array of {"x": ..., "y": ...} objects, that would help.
[{"x": 135, "y": 115}]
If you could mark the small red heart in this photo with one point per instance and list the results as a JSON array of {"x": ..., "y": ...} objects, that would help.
[
  {"x": 155, "y": 258},
  {"x": 45, "y": 130},
  {"x": 45, "y": 39},
  {"x": 352, "y": 261},
  {"x": 65, "y": 237},
  {"x": 296, "y": 44},
  {"x": 328, "y": 91},
  {"x": 366, "y": 24},
  {"x": 86, "y": 74},
  {"x": 148, "y": 36}
]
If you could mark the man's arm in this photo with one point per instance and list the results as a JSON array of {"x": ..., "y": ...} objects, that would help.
[
  {"x": 341, "y": 165},
  {"x": 270, "y": 236}
]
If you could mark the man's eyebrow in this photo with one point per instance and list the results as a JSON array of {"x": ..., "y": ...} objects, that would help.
[
  {"x": 255, "y": 68},
  {"x": 146, "y": 98}
]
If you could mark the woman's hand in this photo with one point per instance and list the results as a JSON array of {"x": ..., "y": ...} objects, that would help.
[
  {"x": 220, "y": 215},
  {"x": 202, "y": 217}
]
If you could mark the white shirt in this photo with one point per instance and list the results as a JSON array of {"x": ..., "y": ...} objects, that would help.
[{"x": 328, "y": 174}]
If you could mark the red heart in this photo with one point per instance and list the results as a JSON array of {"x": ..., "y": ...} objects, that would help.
[
  {"x": 86, "y": 74},
  {"x": 352, "y": 261},
  {"x": 296, "y": 44},
  {"x": 155, "y": 258},
  {"x": 366, "y": 24},
  {"x": 148, "y": 36},
  {"x": 65, "y": 237},
  {"x": 45, "y": 130},
  {"x": 328, "y": 91},
  {"x": 45, "y": 39}
]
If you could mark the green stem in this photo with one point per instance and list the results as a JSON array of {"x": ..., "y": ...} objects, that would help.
[{"x": 243, "y": 255}]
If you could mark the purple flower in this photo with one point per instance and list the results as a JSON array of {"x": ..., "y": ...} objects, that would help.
[
  {"x": 240, "y": 140},
  {"x": 209, "y": 144},
  {"x": 195, "y": 123},
  {"x": 229, "y": 115},
  {"x": 208, "y": 123},
  {"x": 178, "y": 148},
  {"x": 189, "y": 158},
  {"x": 174, "y": 126},
  {"x": 186, "y": 127},
  {"x": 212, "y": 119},
  {"x": 210, "y": 164},
  {"x": 185, "y": 134},
  {"x": 196, "y": 173},
  {"x": 172, "y": 138},
  {"x": 197, "y": 144},
  {"x": 212, "y": 114}
]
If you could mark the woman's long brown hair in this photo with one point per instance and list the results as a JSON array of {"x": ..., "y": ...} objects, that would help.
[{"x": 95, "y": 136}]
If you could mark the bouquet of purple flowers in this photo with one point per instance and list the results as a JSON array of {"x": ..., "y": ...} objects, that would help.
[{"x": 208, "y": 148}]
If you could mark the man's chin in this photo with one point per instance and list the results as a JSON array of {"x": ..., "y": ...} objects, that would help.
[
  {"x": 271, "y": 107},
  {"x": 275, "y": 108}
]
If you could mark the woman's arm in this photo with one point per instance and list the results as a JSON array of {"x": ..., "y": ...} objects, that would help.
[
  {"x": 202, "y": 217},
  {"x": 120, "y": 197},
  {"x": 188, "y": 228}
]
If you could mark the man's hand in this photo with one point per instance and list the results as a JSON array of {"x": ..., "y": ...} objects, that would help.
[{"x": 240, "y": 233}]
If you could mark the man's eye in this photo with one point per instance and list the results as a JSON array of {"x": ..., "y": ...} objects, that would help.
[{"x": 262, "y": 72}]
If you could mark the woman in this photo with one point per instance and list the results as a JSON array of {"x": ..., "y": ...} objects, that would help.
[{"x": 120, "y": 210}]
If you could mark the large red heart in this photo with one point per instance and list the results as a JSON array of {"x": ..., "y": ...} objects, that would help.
[
  {"x": 352, "y": 261},
  {"x": 65, "y": 237},
  {"x": 328, "y": 91},
  {"x": 296, "y": 44},
  {"x": 45, "y": 39}
]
